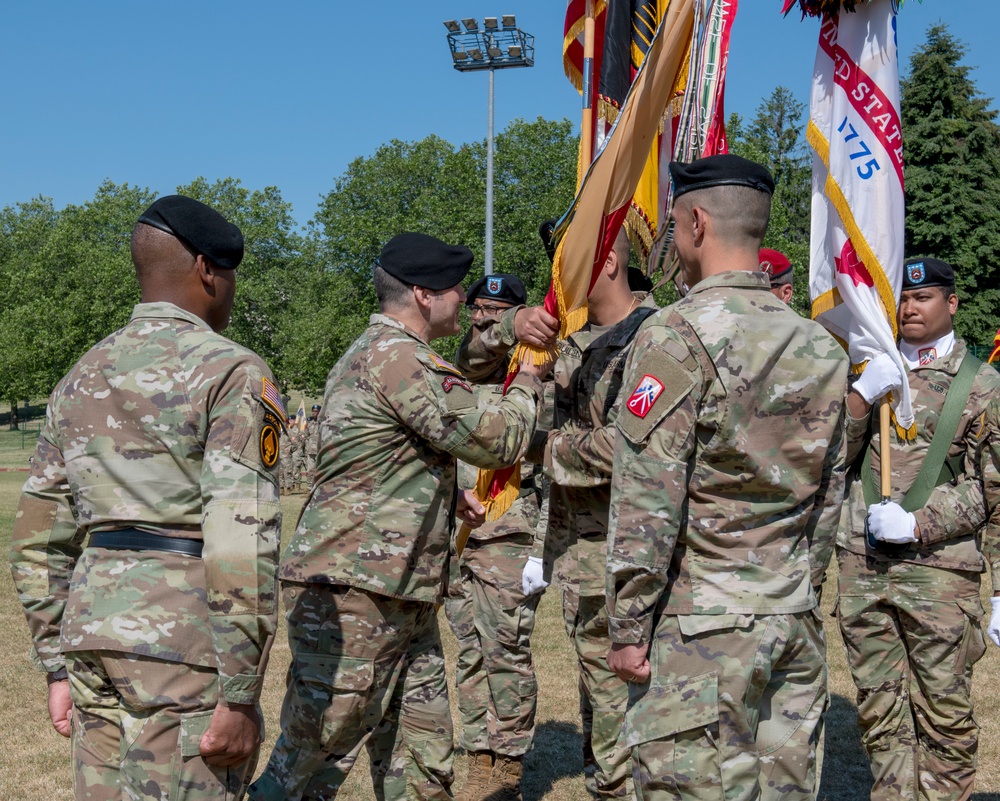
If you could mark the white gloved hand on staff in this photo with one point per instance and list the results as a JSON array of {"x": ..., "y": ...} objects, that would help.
[
  {"x": 881, "y": 376},
  {"x": 993, "y": 630},
  {"x": 890, "y": 522},
  {"x": 533, "y": 576}
]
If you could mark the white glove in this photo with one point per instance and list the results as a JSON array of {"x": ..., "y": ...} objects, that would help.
[
  {"x": 890, "y": 522},
  {"x": 993, "y": 630},
  {"x": 532, "y": 578},
  {"x": 881, "y": 376}
]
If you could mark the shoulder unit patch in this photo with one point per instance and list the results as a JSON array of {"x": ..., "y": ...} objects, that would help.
[{"x": 644, "y": 396}]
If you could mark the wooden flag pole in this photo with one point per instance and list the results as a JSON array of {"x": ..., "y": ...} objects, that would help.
[{"x": 883, "y": 440}]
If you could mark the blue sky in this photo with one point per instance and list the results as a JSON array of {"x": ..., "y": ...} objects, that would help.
[{"x": 287, "y": 94}]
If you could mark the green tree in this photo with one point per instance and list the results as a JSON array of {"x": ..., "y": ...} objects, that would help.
[
  {"x": 270, "y": 263},
  {"x": 71, "y": 283},
  {"x": 775, "y": 139},
  {"x": 428, "y": 187},
  {"x": 25, "y": 230},
  {"x": 952, "y": 186}
]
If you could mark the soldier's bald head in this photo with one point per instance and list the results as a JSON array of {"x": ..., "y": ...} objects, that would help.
[
  {"x": 160, "y": 259},
  {"x": 739, "y": 213}
]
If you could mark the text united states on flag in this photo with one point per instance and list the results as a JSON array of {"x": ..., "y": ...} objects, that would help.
[{"x": 856, "y": 241}]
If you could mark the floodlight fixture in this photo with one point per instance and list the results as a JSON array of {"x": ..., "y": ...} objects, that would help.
[{"x": 491, "y": 48}]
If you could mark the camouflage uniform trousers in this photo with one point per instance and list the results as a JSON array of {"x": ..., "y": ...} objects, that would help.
[
  {"x": 367, "y": 671},
  {"x": 310, "y": 468},
  {"x": 733, "y": 708},
  {"x": 912, "y": 636},
  {"x": 298, "y": 464},
  {"x": 603, "y": 697},
  {"x": 286, "y": 469},
  {"x": 492, "y": 621},
  {"x": 137, "y": 725}
]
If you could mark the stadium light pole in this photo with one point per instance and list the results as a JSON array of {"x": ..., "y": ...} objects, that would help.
[{"x": 499, "y": 44}]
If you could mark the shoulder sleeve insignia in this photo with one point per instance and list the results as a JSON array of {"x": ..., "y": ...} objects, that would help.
[
  {"x": 644, "y": 396},
  {"x": 272, "y": 397},
  {"x": 451, "y": 381},
  {"x": 441, "y": 364},
  {"x": 269, "y": 442}
]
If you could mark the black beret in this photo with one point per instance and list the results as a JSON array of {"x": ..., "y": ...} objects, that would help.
[
  {"x": 546, "y": 231},
  {"x": 721, "y": 170},
  {"x": 927, "y": 272},
  {"x": 500, "y": 286},
  {"x": 198, "y": 226},
  {"x": 315, "y": 407},
  {"x": 638, "y": 281},
  {"x": 426, "y": 261}
]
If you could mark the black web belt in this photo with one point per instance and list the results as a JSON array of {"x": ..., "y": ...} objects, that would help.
[{"x": 132, "y": 539}]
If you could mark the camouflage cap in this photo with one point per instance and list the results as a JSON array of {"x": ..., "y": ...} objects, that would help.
[{"x": 198, "y": 226}]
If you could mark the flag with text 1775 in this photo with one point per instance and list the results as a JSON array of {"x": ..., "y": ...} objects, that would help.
[{"x": 856, "y": 242}]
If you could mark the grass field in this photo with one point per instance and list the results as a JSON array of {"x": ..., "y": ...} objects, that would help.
[{"x": 34, "y": 760}]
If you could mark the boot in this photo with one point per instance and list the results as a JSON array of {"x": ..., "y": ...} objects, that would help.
[
  {"x": 505, "y": 780},
  {"x": 477, "y": 776}
]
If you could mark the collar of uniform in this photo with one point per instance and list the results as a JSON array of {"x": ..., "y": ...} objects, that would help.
[
  {"x": 392, "y": 322},
  {"x": 586, "y": 336},
  {"x": 163, "y": 310},
  {"x": 745, "y": 279},
  {"x": 948, "y": 364}
]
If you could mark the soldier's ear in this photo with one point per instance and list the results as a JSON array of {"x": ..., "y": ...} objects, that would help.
[
  {"x": 205, "y": 269},
  {"x": 422, "y": 297}
]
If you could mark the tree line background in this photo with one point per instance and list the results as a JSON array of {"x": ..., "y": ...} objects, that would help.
[{"x": 304, "y": 294}]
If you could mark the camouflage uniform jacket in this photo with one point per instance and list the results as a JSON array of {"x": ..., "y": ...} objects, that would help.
[
  {"x": 310, "y": 437},
  {"x": 395, "y": 419},
  {"x": 579, "y": 450},
  {"x": 953, "y": 516},
  {"x": 729, "y": 460},
  {"x": 484, "y": 356},
  {"x": 484, "y": 352},
  {"x": 991, "y": 488},
  {"x": 162, "y": 427}
]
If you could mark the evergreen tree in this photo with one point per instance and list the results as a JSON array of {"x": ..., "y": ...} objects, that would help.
[
  {"x": 952, "y": 185},
  {"x": 775, "y": 139}
]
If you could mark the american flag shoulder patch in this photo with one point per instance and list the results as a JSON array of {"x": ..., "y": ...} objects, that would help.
[
  {"x": 272, "y": 397},
  {"x": 644, "y": 396}
]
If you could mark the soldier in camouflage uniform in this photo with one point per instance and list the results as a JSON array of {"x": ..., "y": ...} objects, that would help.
[
  {"x": 364, "y": 572},
  {"x": 577, "y": 456},
  {"x": 289, "y": 444},
  {"x": 145, "y": 545},
  {"x": 490, "y": 613},
  {"x": 909, "y": 607},
  {"x": 310, "y": 445},
  {"x": 726, "y": 490}
]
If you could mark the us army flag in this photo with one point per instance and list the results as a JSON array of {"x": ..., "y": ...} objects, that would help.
[{"x": 856, "y": 241}]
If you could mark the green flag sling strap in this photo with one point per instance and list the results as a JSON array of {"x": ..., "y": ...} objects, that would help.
[{"x": 936, "y": 468}]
